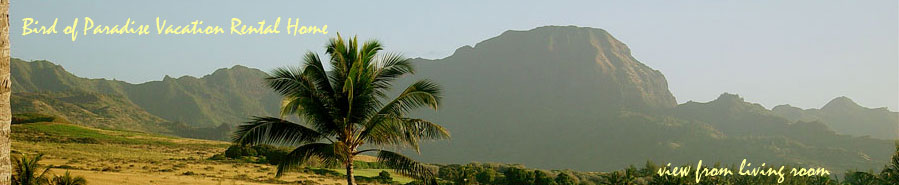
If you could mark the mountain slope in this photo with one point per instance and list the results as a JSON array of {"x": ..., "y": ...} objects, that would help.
[
  {"x": 762, "y": 134},
  {"x": 846, "y": 117},
  {"x": 506, "y": 96},
  {"x": 574, "y": 97},
  {"x": 225, "y": 96},
  {"x": 90, "y": 109}
]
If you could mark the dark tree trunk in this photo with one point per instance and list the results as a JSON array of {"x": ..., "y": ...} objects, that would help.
[{"x": 349, "y": 174}]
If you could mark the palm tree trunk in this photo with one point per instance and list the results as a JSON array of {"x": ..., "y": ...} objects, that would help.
[
  {"x": 349, "y": 174},
  {"x": 5, "y": 112}
]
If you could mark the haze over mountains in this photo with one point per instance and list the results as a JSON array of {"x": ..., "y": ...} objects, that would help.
[{"x": 552, "y": 97}]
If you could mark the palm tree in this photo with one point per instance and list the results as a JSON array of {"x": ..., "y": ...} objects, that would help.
[
  {"x": 344, "y": 108},
  {"x": 68, "y": 179},
  {"x": 28, "y": 172},
  {"x": 890, "y": 172}
]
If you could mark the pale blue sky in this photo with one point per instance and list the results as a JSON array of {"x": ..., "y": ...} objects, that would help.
[{"x": 773, "y": 52}]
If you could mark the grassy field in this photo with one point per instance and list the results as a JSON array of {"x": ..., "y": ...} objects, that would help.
[{"x": 124, "y": 157}]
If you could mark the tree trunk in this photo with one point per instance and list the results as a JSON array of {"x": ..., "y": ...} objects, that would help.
[
  {"x": 5, "y": 112},
  {"x": 349, "y": 174}
]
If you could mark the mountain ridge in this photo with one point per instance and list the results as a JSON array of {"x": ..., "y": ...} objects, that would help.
[{"x": 847, "y": 117}]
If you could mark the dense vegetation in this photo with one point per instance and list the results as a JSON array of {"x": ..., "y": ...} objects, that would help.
[
  {"x": 265, "y": 154},
  {"x": 502, "y": 174}
]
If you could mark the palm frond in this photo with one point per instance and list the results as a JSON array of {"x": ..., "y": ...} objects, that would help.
[
  {"x": 316, "y": 72},
  {"x": 288, "y": 81},
  {"x": 369, "y": 49},
  {"x": 26, "y": 170},
  {"x": 302, "y": 154},
  {"x": 269, "y": 130},
  {"x": 403, "y": 132},
  {"x": 405, "y": 165},
  {"x": 68, "y": 179},
  {"x": 419, "y": 94},
  {"x": 389, "y": 67},
  {"x": 305, "y": 97}
]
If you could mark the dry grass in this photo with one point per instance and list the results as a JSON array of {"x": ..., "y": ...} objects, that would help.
[{"x": 176, "y": 161}]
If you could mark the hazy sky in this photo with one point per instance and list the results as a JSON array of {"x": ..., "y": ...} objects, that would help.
[{"x": 802, "y": 53}]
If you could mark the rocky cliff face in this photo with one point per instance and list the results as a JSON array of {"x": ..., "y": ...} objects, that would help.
[
  {"x": 522, "y": 87},
  {"x": 575, "y": 65}
]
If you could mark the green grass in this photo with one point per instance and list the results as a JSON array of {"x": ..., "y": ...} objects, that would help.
[
  {"x": 66, "y": 130},
  {"x": 69, "y": 133},
  {"x": 62, "y": 139}
]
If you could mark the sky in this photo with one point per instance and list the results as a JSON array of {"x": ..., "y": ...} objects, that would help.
[{"x": 802, "y": 53}]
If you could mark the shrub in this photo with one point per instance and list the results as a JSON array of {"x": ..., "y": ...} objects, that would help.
[
  {"x": 384, "y": 177},
  {"x": 238, "y": 151},
  {"x": 487, "y": 176},
  {"x": 369, "y": 165},
  {"x": 83, "y": 140},
  {"x": 32, "y": 118},
  {"x": 565, "y": 179},
  {"x": 259, "y": 153},
  {"x": 271, "y": 154}
]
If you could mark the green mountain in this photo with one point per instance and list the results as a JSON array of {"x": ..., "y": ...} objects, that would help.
[
  {"x": 846, "y": 117},
  {"x": 572, "y": 97},
  {"x": 226, "y": 96}
]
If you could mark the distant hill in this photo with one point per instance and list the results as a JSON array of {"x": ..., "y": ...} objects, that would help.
[
  {"x": 226, "y": 96},
  {"x": 846, "y": 117}
]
